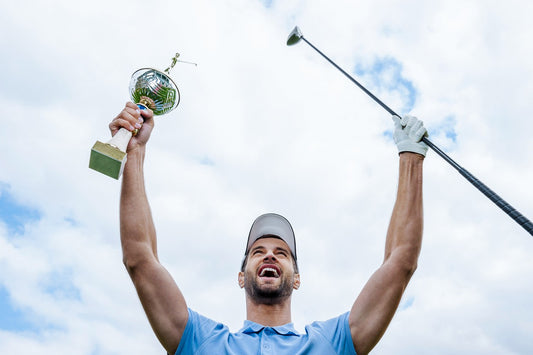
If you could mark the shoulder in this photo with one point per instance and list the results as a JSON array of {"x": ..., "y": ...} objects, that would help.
[
  {"x": 197, "y": 331},
  {"x": 198, "y": 320},
  {"x": 336, "y": 331},
  {"x": 330, "y": 325}
]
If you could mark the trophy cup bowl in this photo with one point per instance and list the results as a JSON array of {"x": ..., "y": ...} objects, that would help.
[
  {"x": 149, "y": 88},
  {"x": 155, "y": 90}
]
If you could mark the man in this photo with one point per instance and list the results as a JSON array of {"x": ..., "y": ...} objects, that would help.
[{"x": 269, "y": 271}]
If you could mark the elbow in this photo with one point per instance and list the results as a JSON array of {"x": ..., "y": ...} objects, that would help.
[
  {"x": 131, "y": 265},
  {"x": 405, "y": 260},
  {"x": 409, "y": 259},
  {"x": 407, "y": 268},
  {"x": 137, "y": 259},
  {"x": 410, "y": 268},
  {"x": 139, "y": 270},
  {"x": 128, "y": 264}
]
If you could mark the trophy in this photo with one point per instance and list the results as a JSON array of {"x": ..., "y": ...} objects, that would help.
[{"x": 149, "y": 88}]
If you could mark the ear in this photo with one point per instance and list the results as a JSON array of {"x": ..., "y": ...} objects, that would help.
[
  {"x": 241, "y": 279},
  {"x": 296, "y": 282}
]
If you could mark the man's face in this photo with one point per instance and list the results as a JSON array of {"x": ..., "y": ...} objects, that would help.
[{"x": 269, "y": 275}]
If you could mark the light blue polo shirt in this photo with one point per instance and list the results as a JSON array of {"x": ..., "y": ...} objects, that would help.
[{"x": 203, "y": 336}]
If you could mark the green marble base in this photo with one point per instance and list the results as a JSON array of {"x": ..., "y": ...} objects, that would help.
[{"x": 107, "y": 159}]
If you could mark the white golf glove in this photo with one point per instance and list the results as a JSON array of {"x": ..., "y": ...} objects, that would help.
[{"x": 408, "y": 134}]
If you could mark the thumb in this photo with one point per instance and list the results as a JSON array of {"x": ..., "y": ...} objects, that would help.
[
  {"x": 396, "y": 121},
  {"x": 147, "y": 114}
]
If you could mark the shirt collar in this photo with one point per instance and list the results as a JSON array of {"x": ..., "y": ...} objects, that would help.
[{"x": 252, "y": 327}]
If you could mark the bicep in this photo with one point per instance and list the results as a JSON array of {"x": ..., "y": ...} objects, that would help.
[
  {"x": 162, "y": 301},
  {"x": 375, "y": 306}
]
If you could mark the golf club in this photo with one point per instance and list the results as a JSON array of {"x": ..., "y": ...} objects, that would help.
[{"x": 296, "y": 36}]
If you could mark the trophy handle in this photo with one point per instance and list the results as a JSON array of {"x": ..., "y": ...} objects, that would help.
[
  {"x": 121, "y": 139},
  {"x": 109, "y": 158}
]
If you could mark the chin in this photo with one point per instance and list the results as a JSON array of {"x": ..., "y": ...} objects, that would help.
[{"x": 269, "y": 294}]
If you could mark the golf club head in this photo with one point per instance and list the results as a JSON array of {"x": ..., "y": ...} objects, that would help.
[{"x": 295, "y": 36}]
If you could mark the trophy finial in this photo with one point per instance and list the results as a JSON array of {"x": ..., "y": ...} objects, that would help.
[{"x": 174, "y": 61}]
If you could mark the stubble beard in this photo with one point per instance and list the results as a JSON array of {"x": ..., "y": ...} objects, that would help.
[{"x": 267, "y": 294}]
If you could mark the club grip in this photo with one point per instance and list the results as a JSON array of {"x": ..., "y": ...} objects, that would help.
[{"x": 500, "y": 202}]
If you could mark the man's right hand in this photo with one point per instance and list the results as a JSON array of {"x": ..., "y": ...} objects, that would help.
[{"x": 132, "y": 118}]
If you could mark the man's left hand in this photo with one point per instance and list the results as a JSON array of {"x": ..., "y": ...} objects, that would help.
[{"x": 408, "y": 134}]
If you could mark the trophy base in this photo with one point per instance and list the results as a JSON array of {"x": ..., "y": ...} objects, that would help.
[{"x": 107, "y": 159}]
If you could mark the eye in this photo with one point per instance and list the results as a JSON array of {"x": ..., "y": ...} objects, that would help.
[{"x": 283, "y": 253}]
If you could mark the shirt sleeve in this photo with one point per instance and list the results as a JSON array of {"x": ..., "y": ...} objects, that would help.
[
  {"x": 337, "y": 333},
  {"x": 197, "y": 331}
]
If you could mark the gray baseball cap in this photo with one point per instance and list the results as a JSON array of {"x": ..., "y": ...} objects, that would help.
[{"x": 271, "y": 225}]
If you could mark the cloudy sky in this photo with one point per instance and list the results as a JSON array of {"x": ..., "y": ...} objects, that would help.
[{"x": 263, "y": 127}]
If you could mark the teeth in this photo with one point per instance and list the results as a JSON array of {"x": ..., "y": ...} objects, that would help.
[{"x": 269, "y": 269}]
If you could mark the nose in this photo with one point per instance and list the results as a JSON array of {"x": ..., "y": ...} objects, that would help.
[{"x": 269, "y": 256}]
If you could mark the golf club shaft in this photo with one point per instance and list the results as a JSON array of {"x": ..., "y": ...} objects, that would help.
[{"x": 500, "y": 202}]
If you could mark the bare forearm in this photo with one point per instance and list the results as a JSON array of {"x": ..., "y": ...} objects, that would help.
[
  {"x": 376, "y": 304},
  {"x": 406, "y": 225},
  {"x": 137, "y": 229},
  {"x": 159, "y": 294}
]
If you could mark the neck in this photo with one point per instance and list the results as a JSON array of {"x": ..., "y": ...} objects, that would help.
[{"x": 270, "y": 315}]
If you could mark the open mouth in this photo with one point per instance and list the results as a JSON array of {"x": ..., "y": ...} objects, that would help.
[{"x": 269, "y": 270}]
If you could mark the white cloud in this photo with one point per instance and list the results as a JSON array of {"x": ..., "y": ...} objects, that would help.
[{"x": 266, "y": 127}]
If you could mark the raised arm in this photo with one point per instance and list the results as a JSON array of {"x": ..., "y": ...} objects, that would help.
[
  {"x": 375, "y": 306},
  {"x": 160, "y": 297}
]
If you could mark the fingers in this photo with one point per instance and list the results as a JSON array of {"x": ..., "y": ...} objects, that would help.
[
  {"x": 414, "y": 127},
  {"x": 417, "y": 135},
  {"x": 409, "y": 121},
  {"x": 147, "y": 114},
  {"x": 129, "y": 118}
]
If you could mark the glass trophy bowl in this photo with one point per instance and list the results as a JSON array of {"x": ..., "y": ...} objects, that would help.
[
  {"x": 155, "y": 90},
  {"x": 149, "y": 88}
]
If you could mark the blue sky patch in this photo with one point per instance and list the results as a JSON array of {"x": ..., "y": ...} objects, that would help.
[
  {"x": 388, "y": 135},
  {"x": 386, "y": 74},
  {"x": 206, "y": 161},
  {"x": 14, "y": 214},
  {"x": 267, "y": 3},
  {"x": 59, "y": 284},
  {"x": 12, "y": 319},
  {"x": 407, "y": 303},
  {"x": 20, "y": 320},
  {"x": 446, "y": 127},
  {"x": 71, "y": 221}
]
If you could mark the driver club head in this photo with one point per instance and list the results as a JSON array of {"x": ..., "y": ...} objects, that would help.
[{"x": 295, "y": 36}]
